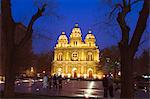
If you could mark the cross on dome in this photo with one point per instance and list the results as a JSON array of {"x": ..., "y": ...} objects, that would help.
[
  {"x": 63, "y": 33},
  {"x": 89, "y": 31},
  {"x": 76, "y": 25}
]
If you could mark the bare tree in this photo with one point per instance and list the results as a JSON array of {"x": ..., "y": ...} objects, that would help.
[
  {"x": 129, "y": 47},
  {"x": 9, "y": 47}
]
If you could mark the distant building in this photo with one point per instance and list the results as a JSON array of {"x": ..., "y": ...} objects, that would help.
[{"x": 75, "y": 57}]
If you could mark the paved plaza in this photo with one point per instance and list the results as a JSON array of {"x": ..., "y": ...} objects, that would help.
[{"x": 71, "y": 88}]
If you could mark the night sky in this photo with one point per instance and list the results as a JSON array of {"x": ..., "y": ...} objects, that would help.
[{"x": 61, "y": 15}]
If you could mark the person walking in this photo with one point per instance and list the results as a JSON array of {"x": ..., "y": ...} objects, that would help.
[
  {"x": 110, "y": 86},
  {"x": 50, "y": 82},
  {"x": 105, "y": 85},
  {"x": 60, "y": 81},
  {"x": 45, "y": 81},
  {"x": 55, "y": 81}
]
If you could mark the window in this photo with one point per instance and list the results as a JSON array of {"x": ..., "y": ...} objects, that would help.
[
  {"x": 75, "y": 43},
  {"x": 90, "y": 56},
  {"x": 75, "y": 56},
  {"x": 59, "y": 58}
]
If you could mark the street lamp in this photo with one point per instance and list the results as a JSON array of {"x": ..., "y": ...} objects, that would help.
[
  {"x": 119, "y": 73},
  {"x": 108, "y": 60},
  {"x": 116, "y": 69},
  {"x": 44, "y": 72},
  {"x": 32, "y": 70},
  {"x": 106, "y": 66}
]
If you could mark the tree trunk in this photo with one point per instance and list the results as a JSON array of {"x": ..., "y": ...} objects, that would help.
[
  {"x": 9, "y": 75},
  {"x": 9, "y": 61},
  {"x": 8, "y": 27},
  {"x": 9, "y": 48},
  {"x": 128, "y": 50},
  {"x": 127, "y": 84}
]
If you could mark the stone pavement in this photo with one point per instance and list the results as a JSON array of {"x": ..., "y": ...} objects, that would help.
[{"x": 70, "y": 89}]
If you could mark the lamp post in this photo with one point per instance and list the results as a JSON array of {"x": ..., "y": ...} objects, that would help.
[
  {"x": 32, "y": 70},
  {"x": 116, "y": 69},
  {"x": 106, "y": 68}
]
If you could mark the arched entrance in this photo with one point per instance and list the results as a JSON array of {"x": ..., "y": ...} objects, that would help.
[
  {"x": 59, "y": 71},
  {"x": 74, "y": 72},
  {"x": 90, "y": 73}
]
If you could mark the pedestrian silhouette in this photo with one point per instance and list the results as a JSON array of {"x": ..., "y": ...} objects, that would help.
[
  {"x": 55, "y": 81},
  {"x": 50, "y": 81},
  {"x": 105, "y": 85},
  {"x": 60, "y": 81},
  {"x": 110, "y": 85},
  {"x": 45, "y": 81}
]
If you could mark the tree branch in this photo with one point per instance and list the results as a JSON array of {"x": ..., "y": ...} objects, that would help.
[
  {"x": 129, "y": 2},
  {"x": 7, "y": 21},
  {"x": 124, "y": 3},
  {"x": 143, "y": 41},
  {"x": 134, "y": 2},
  {"x": 117, "y": 6},
  {"x": 122, "y": 23},
  {"x": 29, "y": 32},
  {"x": 140, "y": 27},
  {"x": 124, "y": 28}
]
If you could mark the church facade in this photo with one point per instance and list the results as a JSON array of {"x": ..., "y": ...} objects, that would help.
[{"x": 75, "y": 58}]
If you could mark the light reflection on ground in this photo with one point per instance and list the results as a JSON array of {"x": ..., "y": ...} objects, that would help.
[{"x": 70, "y": 88}]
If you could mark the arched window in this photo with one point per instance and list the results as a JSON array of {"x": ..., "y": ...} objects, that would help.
[
  {"x": 90, "y": 56},
  {"x": 75, "y": 43},
  {"x": 59, "y": 57}
]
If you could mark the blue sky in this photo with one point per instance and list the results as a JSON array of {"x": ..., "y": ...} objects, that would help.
[{"x": 61, "y": 15}]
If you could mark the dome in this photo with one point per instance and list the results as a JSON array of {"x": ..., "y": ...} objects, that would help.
[
  {"x": 90, "y": 35},
  {"x": 76, "y": 32},
  {"x": 76, "y": 29},
  {"x": 90, "y": 39},
  {"x": 63, "y": 36}
]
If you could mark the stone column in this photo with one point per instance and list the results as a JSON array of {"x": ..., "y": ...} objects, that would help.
[
  {"x": 55, "y": 56},
  {"x": 67, "y": 58},
  {"x": 66, "y": 69}
]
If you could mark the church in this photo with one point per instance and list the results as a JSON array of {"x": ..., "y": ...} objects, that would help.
[{"x": 74, "y": 57}]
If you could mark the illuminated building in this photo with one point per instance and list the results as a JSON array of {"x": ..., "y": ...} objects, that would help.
[{"x": 75, "y": 57}]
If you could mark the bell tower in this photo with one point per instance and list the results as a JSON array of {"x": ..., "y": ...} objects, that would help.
[
  {"x": 76, "y": 36},
  {"x": 62, "y": 40},
  {"x": 90, "y": 39}
]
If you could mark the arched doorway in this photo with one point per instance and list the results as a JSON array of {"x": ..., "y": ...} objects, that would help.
[
  {"x": 59, "y": 71},
  {"x": 74, "y": 72},
  {"x": 90, "y": 73}
]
